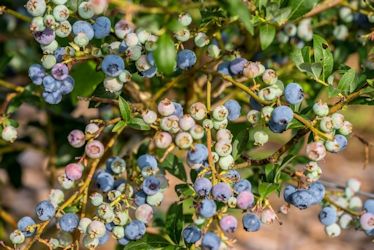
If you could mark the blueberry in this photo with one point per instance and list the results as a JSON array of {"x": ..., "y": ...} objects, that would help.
[
  {"x": 210, "y": 241},
  {"x": 237, "y": 66},
  {"x": 251, "y": 222},
  {"x": 45, "y": 210},
  {"x": 222, "y": 192},
  {"x": 151, "y": 185},
  {"x": 223, "y": 68},
  {"x": 23, "y": 225},
  {"x": 318, "y": 192},
  {"x": 104, "y": 181},
  {"x": 202, "y": 186},
  {"x": 68, "y": 222},
  {"x": 294, "y": 93},
  {"x": 242, "y": 185},
  {"x": 287, "y": 193},
  {"x": 327, "y": 216},
  {"x": 234, "y": 109},
  {"x": 302, "y": 199},
  {"x": 124, "y": 241},
  {"x": 178, "y": 109},
  {"x": 233, "y": 175},
  {"x": 197, "y": 155},
  {"x": 135, "y": 230},
  {"x": 151, "y": 59},
  {"x": 101, "y": 27},
  {"x": 67, "y": 85},
  {"x": 369, "y": 206},
  {"x": 60, "y": 71},
  {"x": 83, "y": 27},
  {"x": 45, "y": 37},
  {"x": 228, "y": 223},
  {"x": 254, "y": 104},
  {"x": 52, "y": 98},
  {"x": 115, "y": 165},
  {"x": 149, "y": 73},
  {"x": 245, "y": 200},
  {"x": 185, "y": 59},
  {"x": 147, "y": 160},
  {"x": 191, "y": 234},
  {"x": 277, "y": 127},
  {"x": 341, "y": 140},
  {"x": 36, "y": 73},
  {"x": 113, "y": 65},
  {"x": 104, "y": 239},
  {"x": 282, "y": 115},
  {"x": 207, "y": 208}
]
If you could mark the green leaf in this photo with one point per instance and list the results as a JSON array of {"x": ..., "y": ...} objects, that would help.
[
  {"x": 265, "y": 188},
  {"x": 323, "y": 55},
  {"x": 300, "y": 7},
  {"x": 119, "y": 125},
  {"x": 175, "y": 166},
  {"x": 267, "y": 34},
  {"x": 240, "y": 9},
  {"x": 174, "y": 222},
  {"x": 125, "y": 109},
  {"x": 316, "y": 70},
  {"x": 347, "y": 82},
  {"x": 138, "y": 124},
  {"x": 86, "y": 80},
  {"x": 165, "y": 55},
  {"x": 240, "y": 143},
  {"x": 148, "y": 242}
]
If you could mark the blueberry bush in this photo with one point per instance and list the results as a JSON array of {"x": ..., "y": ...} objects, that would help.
[{"x": 194, "y": 89}]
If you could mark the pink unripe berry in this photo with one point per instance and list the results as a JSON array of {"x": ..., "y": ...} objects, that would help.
[
  {"x": 268, "y": 216},
  {"x": 94, "y": 149},
  {"x": 224, "y": 134},
  {"x": 92, "y": 130},
  {"x": 228, "y": 223},
  {"x": 367, "y": 221},
  {"x": 98, "y": 6},
  {"x": 269, "y": 76},
  {"x": 170, "y": 124},
  {"x": 186, "y": 122},
  {"x": 316, "y": 151},
  {"x": 166, "y": 107},
  {"x": 149, "y": 116},
  {"x": 76, "y": 138},
  {"x": 144, "y": 213},
  {"x": 198, "y": 111},
  {"x": 244, "y": 200},
  {"x": 96, "y": 229},
  {"x": 223, "y": 148},
  {"x": 74, "y": 171},
  {"x": 162, "y": 140}
]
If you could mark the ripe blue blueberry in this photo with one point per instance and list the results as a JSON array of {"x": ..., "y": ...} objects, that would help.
[
  {"x": 24, "y": 225},
  {"x": 45, "y": 210},
  {"x": 36, "y": 73},
  {"x": 242, "y": 185},
  {"x": 289, "y": 189},
  {"x": 178, "y": 109},
  {"x": 113, "y": 65},
  {"x": 69, "y": 222},
  {"x": 115, "y": 165},
  {"x": 67, "y": 85},
  {"x": 251, "y": 222},
  {"x": 104, "y": 239},
  {"x": 135, "y": 230},
  {"x": 202, "y": 186},
  {"x": 101, "y": 27},
  {"x": 237, "y": 66},
  {"x": 341, "y": 140},
  {"x": 223, "y": 68},
  {"x": 207, "y": 208},
  {"x": 83, "y": 27},
  {"x": 185, "y": 59},
  {"x": 302, "y": 199},
  {"x": 369, "y": 206},
  {"x": 294, "y": 93},
  {"x": 318, "y": 192},
  {"x": 222, "y": 192},
  {"x": 147, "y": 160},
  {"x": 140, "y": 198},
  {"x": 232, "y": 175},
  {"x": 149, "y": 73},
  {"x": 282, "y": 115},
  {"x": 210, "y": 241},
  {"x": 123, "y": 241},
  {"x": 327, "y": 216},
  {"x": 104, "y": 181},
  {"x": 234, "y": 109},
  {"x": 50, "y": 84},
  {"x": 45, "y": 37},
  {"x": 197, "y": 155},
  {"x": 191, "y": 234},
  {"x": 151, "y": 185}
]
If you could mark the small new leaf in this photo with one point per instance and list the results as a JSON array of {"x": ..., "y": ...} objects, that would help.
[
  {"x": 267, "y": 34},
  {"x": 119, "y": 125},
  {"x": 124, "y": 109},
  {"x": 139, "y": 124}
]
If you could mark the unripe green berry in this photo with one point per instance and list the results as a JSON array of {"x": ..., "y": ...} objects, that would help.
[
  {"x": 253, "y": 116},
  {"x": 260, "y": 138},
  {"x": 201, "y": 39},
  {"x": 321, "y": 109},
  {"x": 220, "y": 124},
  {"x": 226, "y": 162},
  {"x": 48, "y": 61},
  {"x": 17, "y": 237},
  {"x": 156, "y": 199}
]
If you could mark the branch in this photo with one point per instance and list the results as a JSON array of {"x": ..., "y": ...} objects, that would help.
[{"x": 322, "y": 7}]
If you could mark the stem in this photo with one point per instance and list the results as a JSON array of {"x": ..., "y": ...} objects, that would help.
[
  {"x": 11, "y": 86},
  {"x": 4, "y": 9},
  {"x": 209, "y": 136},
  {"x": 7, "y": 218},
  {"x": 245, "y": 89},
  {"x": 349, "y": 211},
  {"x": 310, "y": 126},
  {"x": 322, "y": 7},
  {"x": 335, "y": 185}
]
